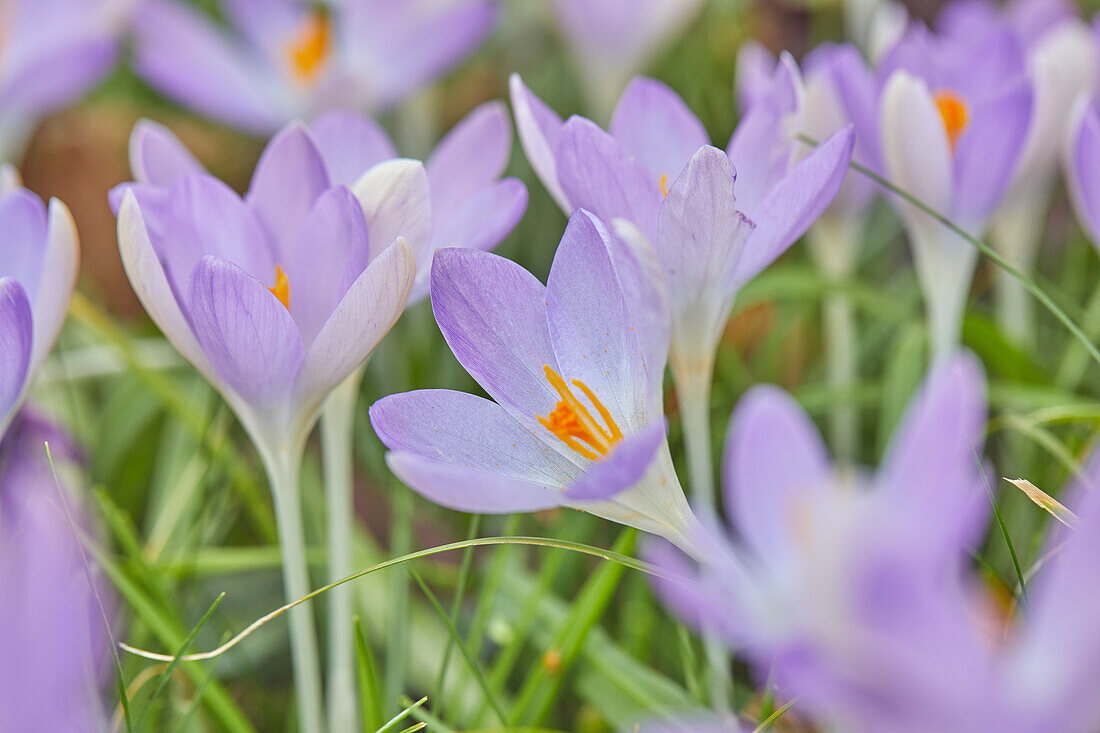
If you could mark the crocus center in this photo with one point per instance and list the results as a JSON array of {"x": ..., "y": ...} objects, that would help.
[
  {"x": 954, "y": 113},
  {"x": 282, "y": 287},
  {"x": 309, "y": 47},
  {"x": 571, "y": 421},
  {"x": 663, "y": 180}
]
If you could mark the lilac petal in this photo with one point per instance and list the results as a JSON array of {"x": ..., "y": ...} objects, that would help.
[
  {"x": 60, "y": 267},
  {"x": 246, "y": 332},
  {"x": 289, "y": 177},
  {"x": 465, "y": 431},
  {"x": 351, "y": 143},
  {"x": 591, "y": 328},
  {"x": 363, "y": 316},
  {"x": 932, "y": 467},
  {"x": 58, "y": 78},
  {"x": 186, "y": 57},
  {"x": 989, "y": 149},
  {"x": 623, "y": 467},
  {"x": 774, "y": 461},
  {"x": 330, "y": 253},
  {"x": 23, "y": 223},
  {"x": 653, "y": 123},
  {"x": 854, "y": 85},
  {"x": 267, "y": 23},
  {"x": 598, "y": 174},
  {"x": 16, "y": 342},
  {"x": 469, "y": 159},
  {"x": 755, "y": 66},
  {"x": 538, "y": 127},
  {"x": 492, "y": 314},
  {"x": 396, "y": 202},
  {"x": 1083, "y": 170},
  {"x": 470, "y": 490},
  {"x": 794, "y": 204},
  {"x": 158, "y": 157}
]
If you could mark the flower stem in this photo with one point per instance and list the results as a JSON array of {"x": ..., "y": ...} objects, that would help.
[
  {"x": 282, "y": 471},
  {"x": 694, "y": 397},
  {"x": 337, "y": 420}
]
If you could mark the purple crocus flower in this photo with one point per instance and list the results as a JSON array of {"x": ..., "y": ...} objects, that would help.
[
  {"x": 278, "y": 297},
  {"x": 574, "y": 370},
  {"x": 954, "y": 116},
  {"x": 51, "y": 624},
  {"x": 612, "y": 40},
  {"x": 1083, "y": 169},
  {"x": 280, "y": 60},
  {"x": 53, "y": 52},
  {"x": 812, "y": 536},
  {"x": 38, "y": 269},
  {"x": 463, "y": 200},
  {"x": 655, "y": 168}
]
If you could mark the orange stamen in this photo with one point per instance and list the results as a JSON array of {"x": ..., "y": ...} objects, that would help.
[
  {"x": 574, "y": 425},
  {"x": 663, "y": 181},
  {"x": 954, "y": 112},
  {"x": 282, "y": 287},
  {"x": 310, "y": 46}
]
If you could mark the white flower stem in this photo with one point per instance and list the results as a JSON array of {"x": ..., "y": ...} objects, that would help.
[
  {"x": 693, "y": 391},
  {"x": 337, "y": 420},
  {"x": 283, "y": 469},
  {"x": 1016, "y": 232}
]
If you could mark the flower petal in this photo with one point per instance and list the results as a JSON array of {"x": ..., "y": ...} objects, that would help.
[
  {"x": 61, "y": 265},
  {"x": 653, "y": 123},
  {"x": 774, "y": 460},
  {"x": 16, "y": 342},
  {"x": 158, "y": 157},
  {"x": 1083, "y": 169},
  {"x": 396, "y": 202},
  {"x": 22, "y": 254},
  {"x": 538, "y": 127},
  {"x": 248, "y": 335},
  {"x": 470, "y": 490},
  {"x": 351, "y": 144},
  {"x": 469, "y": 158},
  {"x": 623, "y": 467}
]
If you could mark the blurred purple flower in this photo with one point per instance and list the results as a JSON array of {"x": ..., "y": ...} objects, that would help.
[
  {"x": 656, "y": 170},
  {"x": 38, "y": 269},
  {"x": 954, "y": 118},
  {"x": 613, "y": 40},
  {"x": 53, "y": 52},
  {"x": 574, "y": 370},
  {"x": 469, "y": 204},
  {"x": 281, "y": 60},
  {"x": 278, "y": 297},
  {"x": 51, "y": 624},
  {"x": 1083, "y": 169}
]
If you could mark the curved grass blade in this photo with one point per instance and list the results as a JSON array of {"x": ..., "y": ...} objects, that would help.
[{"x": 392, "y": 724}]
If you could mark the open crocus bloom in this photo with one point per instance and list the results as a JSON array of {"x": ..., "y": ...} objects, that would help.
[
  {"x": 574, "y": 371},
  {"x": 52, "y": 52},
  {"x": 954, "y": 116},
  {"x": 809, "y": 536},
  {"x": 38, "y": 269},
  {"x": 282, "y": 60},
  {"x": 52, "y": 626},
  {"x": 639, "y": 171},
  {"x": 278, "y": 297},
  {"x": 462, "y": 198}
]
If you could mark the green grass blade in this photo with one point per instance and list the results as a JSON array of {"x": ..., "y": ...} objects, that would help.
[
  {"x": 456, "y": 607},
  {"x": 396, "y": 720},
  {"x": 370, "y": 690}
]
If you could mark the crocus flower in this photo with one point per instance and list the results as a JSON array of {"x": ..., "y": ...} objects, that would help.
[
  {"x": 811, "y": 536},
  {"x": 281, "y": 60},
  {"x": 53, "y": 52},
  {"x": 954, "y": 116},
  {"x": 465, "y": 203},
  {"x": 52, "y": 626},
  {"x": 1082, "y": 168},
  {"x": 652, "y": 169},
  {"x": 1062, "y": 62},
  {"x": 574, "y": 372},
  {"x": 613, "y": 40},
  {"x": 38, "y": 269}
]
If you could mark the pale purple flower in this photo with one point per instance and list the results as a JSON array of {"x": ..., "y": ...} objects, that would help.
[
  {"x": 612, "y": 40},
  {"x": 954, "y": 116},
  {"x": 52, "y": 627},
  {"x": 463, "y": 200},
  {"x": 53, "y": 51},
  {"x": 279, "y": 296},
  {"x": 574, "y": 370},
  {"x": 1083, "y": 169},
  {"x": 656, "y": 169},
  {"x": 38, "y": 269},
  {"x": 280, "y": 60}
]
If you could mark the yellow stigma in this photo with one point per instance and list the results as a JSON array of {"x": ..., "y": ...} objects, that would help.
[
  {"x": 309, "y": 48},
  {"x": 663, "y": 181},
  {"x": 282, "y": 287},
  {"x": 954, "y": 113},
  {"x": 571, "y": 421}
]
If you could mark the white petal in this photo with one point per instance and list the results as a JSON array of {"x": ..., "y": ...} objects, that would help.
[{"x": 396, "y": 202}]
